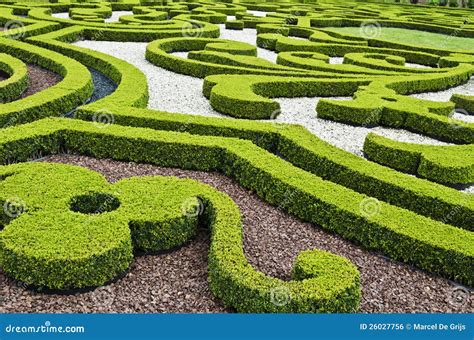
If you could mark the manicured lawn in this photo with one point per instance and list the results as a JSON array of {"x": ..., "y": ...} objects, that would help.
[{"x": 412, "y": 37}]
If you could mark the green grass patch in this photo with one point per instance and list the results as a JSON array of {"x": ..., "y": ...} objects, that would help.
[{"x": 412, "y": 37}]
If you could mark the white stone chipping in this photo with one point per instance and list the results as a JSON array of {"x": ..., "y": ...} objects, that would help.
[
  {"x": 179, "y": 93},
  {"x": 416, "y": 65},
  {"x": 336, "y": 60},
  {"x": 258, "y": 13},
  {"x": 249, "y": 36},
  {"x": 169, "y": 91}
]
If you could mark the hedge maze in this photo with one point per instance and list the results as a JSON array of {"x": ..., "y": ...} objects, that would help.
[{"x": 64, "y": 227}]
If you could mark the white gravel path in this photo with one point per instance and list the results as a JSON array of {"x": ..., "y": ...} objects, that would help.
[
  {"x": 463, "y": 116},
  {"x": 114, "y": 18},
  {"x": 249, "y": 36},
  {"x": 416, "y": 65},
  {"x": 174, "y": 92},
  {"x": 64, "y": 15},
  {"x": 336, "y": 60},
  {"x": 178, "y": 93},
  {"x": 169, "y": 91},
  {"x": 350, "y": 138},
  {"x": 259, "y": 13}
]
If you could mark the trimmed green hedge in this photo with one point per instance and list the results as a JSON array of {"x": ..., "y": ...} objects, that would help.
[
  {"x": 464, "y": 102},
  {"x": 235, "y": 58},
  {"x": 52, "y": 245},
  {"x": 234, "y": 25},
  {"x": 245, "y": 96},
  {"x": 133, "y": 89},
  {"x": 179, "y": 25},
  {"x": 442, "y": 164},
  {"x": 17, "y": 81},
  {"x": 398, "y": 233},
  {"x": 313, "y": 195},
  {"x": 73, "y": 90},
  {"x": 294, "y": 143}
]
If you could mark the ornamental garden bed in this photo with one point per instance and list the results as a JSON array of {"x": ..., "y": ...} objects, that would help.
[{"x": 236, "y": 157}]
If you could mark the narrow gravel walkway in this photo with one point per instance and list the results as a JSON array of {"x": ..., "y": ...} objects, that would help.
[
  {"x": 40, "y": 79},
  {"x": 173, "y": 92},
  {"x": 177, "y": 282}
]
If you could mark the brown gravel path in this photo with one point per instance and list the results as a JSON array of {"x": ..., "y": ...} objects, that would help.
[
  {"x": 40, "y": 79},
  {"x": 177, "y": 282}
]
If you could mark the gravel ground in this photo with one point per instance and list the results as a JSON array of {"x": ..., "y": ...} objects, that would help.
[
  {"x": 259, "y": 13},
  {"x": 350, "y": 138},
  {"x": 169, "y": 91},
  {"x": 179, "y": 93},
  {"x": 177, "y": 281},
  {"x": 416, "y": 65},
  {"x": 103, "y": 85},
  {"x": 336, "y": 60},
  {"x": 40, "y": 79},
  {"x": 462, "y": 115},
  {"x": 249, "y": 36}
]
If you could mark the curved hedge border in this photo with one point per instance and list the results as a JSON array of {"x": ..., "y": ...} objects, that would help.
[
  {"x": 51, "y": 245},
  {"x": 133, "y": 89},
  {"x": 451, "y": 165},
  {"x": 398, "y": 233},
  {"x": 247, "y": 163},
  {"x": 158, "y": 53},
  {"x": 17, "y": 82},
  {"x": 295, "y": 144},
  {"x": 73, "y": 90},
  {"x": 121, "y": 32},
  {"x": 464, "y": 102}
]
